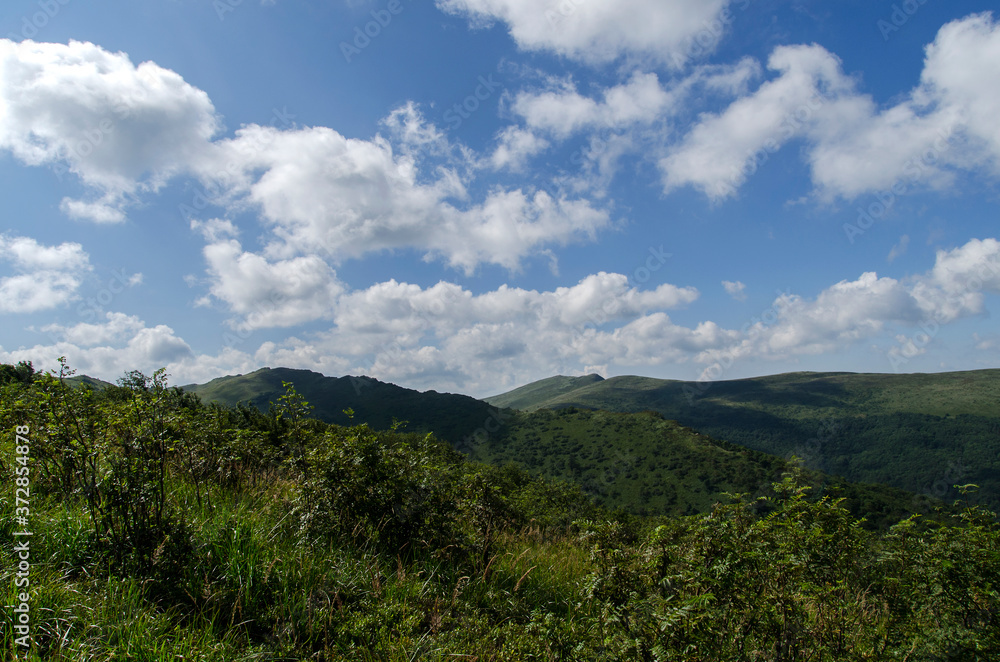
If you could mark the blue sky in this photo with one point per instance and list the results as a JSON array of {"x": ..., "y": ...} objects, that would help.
[{"x": 468, "y": 195}]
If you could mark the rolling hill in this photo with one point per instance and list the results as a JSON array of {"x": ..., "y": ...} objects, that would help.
[
  {"x": 541, "y": 391},
  {"x": 451, "y": 417},
  {"x": 921, "y": 432},
  {"x": 640, "y": 462},
  {"x": 648, "y": 465}
]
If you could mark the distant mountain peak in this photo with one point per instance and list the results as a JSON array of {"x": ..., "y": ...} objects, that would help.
[{"x": 453, "y": 417}]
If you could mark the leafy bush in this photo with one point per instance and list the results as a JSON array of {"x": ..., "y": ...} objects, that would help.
[{"x": 230, "y": 534}]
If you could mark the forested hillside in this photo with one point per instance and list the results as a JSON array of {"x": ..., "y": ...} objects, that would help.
[
  {"x": 647, "y": 465},
  {"x": 451, "y": 417},
  {"x": 923, "y": 432},
  {"x": 642, "y": 463},
  {"x": 529, "y": 396}
]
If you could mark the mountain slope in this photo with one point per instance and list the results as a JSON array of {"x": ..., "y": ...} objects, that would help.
[
  {"x": 646, "y": 464},
  {"x": 451, "y": 417},
  {"x": 639, "y": 462},
  {"x": 540, "y": 391},
  {"x": 922, "y": 432}
]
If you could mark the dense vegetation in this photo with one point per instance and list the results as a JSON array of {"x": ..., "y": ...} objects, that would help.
[
  {"x": 450, "y": 416},
  {"x": 640, "y": 463},
  {"x": 922, "y": 432},
  {"x": 647, "y": 465},
  {"x": 235, "y": 534}
]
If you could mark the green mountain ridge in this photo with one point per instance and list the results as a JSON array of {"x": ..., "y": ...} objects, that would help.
[
  {"x": 638, "y": 462},
  {"x": 542, "y": 390},
  {"x": 648, "y": 465},
  {"x": 450, "y": 416},
  {"x": 920, "y": 432}
]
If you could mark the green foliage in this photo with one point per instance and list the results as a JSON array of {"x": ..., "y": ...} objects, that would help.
[
  {"x": 921, "y": 432},
  {"x": 167, "y": 529},
  {"x": 806, "y": 582},
  {"x": 647, "y": 465},
  {"x": 22, "y": 373},
  {"x": 449, "y": 416},
  {"x": 392, "y": 491}
]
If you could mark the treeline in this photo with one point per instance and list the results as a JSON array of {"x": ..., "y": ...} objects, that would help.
[
  {"x": 647, "y": 465},
  {"x": 236, "y": 534},
  {"x": 922, "y": 453}
]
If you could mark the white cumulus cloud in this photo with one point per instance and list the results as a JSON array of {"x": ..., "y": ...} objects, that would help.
[
  {"x": 46, "y": 277},
  {"x": 120, "y": 127},
  {"x": 599, "y": 31},
  {"x": 943, "y": 127}
]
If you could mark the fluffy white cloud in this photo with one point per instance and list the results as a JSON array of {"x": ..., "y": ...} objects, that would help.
[
  {"x": 413, "y": 132},
  {"x": 564, "y": 111},
  {"x": 515, "y": 146},
  {"x": 121, "y": 128},
  {"x": 597, "y": 31},
  {"x": 42, "y": 290},
  {"x": 736, "y": 290},
  {"x": 723, "y": 149},
  {"x": 118, "y": 326},
  {"x": 270, "y": 294},
  {"x": 395, "y": 307},
  {"x": 850, "y": 311},
  {"x": 956, "y": 285},
  {"x": 560, "y": 110},
  {"x": 639, "y": 114},
  {"x": 48, "y": 276},
  {"x": 944, "y": 126},
  {"x": 124, "y": 129},
  {"x": 447, "y": 336},
  {"x": 322, "y": 193},
  {"x": 653, "y": 339},
  {"x": 109, "y": 349},
  {"x": 26, "y": 253},
  {"x": 947, "y": 123}
]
